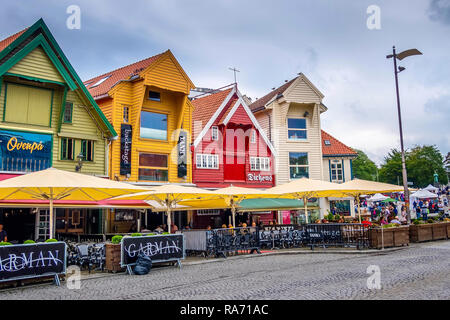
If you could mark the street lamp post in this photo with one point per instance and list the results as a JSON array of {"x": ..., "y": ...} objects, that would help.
[{"x": 401, "y": 56}]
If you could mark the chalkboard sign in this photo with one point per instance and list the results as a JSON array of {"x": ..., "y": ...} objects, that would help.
[
  {"x": 159, "y": 248},
  {"x": 32, "y": 260},
  {"x": 125, "y": 148},
  {"x": 182, "y": 154}
]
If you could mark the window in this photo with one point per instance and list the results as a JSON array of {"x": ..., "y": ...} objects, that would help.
[
  {"x": 207, "y": 161},
  {"x": 26, "y": 104},
  {"x": 296, "y": 129},
  {"x": 153, "y": 167},
  {"x": 99, "y": 82},
  {"x": 153, "y": 125},
  {"x": 67, "y": 149},
  {"x": 298, "y": 165},
  {"x": 214, "y": 133},
  {"x": 327, "y": 142},
  {"x": 208, "y": 212},
  {"x": 87, "y": 149},
  {"x": 68, "y": 112},
  {"x": 259, "y": 164},
  {"x": 126, "y": 114},
  {"x": 253, "y": 136},
  {"x": 154, "y": 96},
  {"x": 336, "y": 171}
]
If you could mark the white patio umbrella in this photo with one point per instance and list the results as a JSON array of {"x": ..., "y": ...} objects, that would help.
[
  {"x": 423, "y": 194},
  {"x": 431, "y": 188},
  {"x": 377, "y": 197}
]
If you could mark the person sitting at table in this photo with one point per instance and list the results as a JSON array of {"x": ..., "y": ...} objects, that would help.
[
  {"x": 208, "y": 227},
  {"x": 224, "y": 226},
  {"x": 395, "y": 220},
  {"x": 3, "y": 235},
  {"x": 174, "y": 228},
  {"x": 159, "y": 229}
]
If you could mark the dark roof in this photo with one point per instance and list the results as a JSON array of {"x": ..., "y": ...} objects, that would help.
[{"x": 262, "y": 101}]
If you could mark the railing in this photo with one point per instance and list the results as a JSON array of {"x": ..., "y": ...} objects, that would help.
[{"x": 223, "y": 241}]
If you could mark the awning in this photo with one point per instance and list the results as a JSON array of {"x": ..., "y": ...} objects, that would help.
[{"x": 272, "y": 204}]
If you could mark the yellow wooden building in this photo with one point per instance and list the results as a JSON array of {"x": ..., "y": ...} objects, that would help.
[
  {"x": 48, "y": 119},
  {"x": 147, "y": 104}
]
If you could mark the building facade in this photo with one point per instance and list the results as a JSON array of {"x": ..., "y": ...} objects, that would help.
[
  {"x": 147, "y": 103},
  {"x": 230, "y": 147},
  {"x": 48, "y": 119}
]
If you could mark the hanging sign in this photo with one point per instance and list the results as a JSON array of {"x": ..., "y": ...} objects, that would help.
[
  {"x": 182, "y": 154},
  {"x": 125, "y": 149}
]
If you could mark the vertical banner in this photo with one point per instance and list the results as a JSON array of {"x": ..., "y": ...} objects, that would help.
[
  {"x": 125, "y": 148},
  {"x": 182, "y": 154}
]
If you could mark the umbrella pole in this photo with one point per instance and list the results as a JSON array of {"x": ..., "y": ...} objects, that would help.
[
  {"x": 305, "y": 202},
  {"x": 50, "y": 224},
  {"x": 233, "y": 213},
  {"x": 169, "y": 217},
  {"x": 359, "y": 208}
]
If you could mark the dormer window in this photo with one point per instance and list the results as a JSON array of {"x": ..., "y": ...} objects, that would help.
[
  {"x": 154, "y": 96},
  {"x": 99, "y": 82},
  {"x": 327, "y": 142},
  {"x": 214, "y": 133}
]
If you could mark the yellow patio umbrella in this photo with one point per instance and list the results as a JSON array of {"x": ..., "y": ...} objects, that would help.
[
  {"x": 358, "y": 187},
  {"x": 234, "y": 195},
  {"x": 53, "y": 184},
  {"x": 169, "y": 196},
  {"x": 305, "y": 189}
]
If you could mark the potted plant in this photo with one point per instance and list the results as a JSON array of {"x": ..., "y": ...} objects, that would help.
[
  {"x": 428, "y": 230},
  {"x": 112, "y": 254},
  {"x": 389, "y": 235}
]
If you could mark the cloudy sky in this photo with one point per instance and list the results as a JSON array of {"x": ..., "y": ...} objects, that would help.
[{"x": 271, "y": 41}]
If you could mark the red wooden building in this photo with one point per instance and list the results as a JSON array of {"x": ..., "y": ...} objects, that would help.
[{"x": 229, "y": 148}]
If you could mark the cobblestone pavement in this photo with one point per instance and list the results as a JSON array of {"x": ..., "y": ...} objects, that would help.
[{"x": 421, "y": 271}]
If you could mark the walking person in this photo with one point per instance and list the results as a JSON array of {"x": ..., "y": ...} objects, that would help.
[{"x": 3, "y": 235}]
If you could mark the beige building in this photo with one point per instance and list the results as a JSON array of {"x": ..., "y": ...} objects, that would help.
[{"x": 290, "y": 116}]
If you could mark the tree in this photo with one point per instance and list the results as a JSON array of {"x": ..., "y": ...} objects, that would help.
[
  {"x": 421, "y": 164},
  {"x": 391, "y": 169},
  {"x": 363, "y": 167}
]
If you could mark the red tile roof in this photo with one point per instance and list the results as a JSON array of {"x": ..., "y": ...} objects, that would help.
[
  {"x": 116, "y": 75},
  {"x": 6, "y": 42},
  {"x": 336, "y": 147},
  {"x": 261, "y": 102},
  {"x": 205, "y": 107}
]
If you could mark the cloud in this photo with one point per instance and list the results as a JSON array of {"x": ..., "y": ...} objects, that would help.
[{"x": 439, "y": 10}]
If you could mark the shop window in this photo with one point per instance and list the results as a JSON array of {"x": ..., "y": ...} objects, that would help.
[
  {"x": 153, "y": 167},
  {"x": 125, "y": 215},
  {"x": 153, "y": 125},
  {"x": 154, "y": 96},
  {"x": 87, "y": 149},
  {"x": 259, "y": 164},
  {"x": 126, "y": 114},
  {"x": 67, "y": 148},
  {"x": 207, "y": 161},
  {"x": 27, "y": 104},
  {"x": 68, "y": 110},
  {"x": 336, "y": 171},
  {"x": 296, "y": 128},
  {"x": 298, "y": 165},
  {"x": 214, "y": 133}
]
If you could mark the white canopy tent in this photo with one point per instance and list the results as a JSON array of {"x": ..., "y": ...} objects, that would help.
[
  {"x": 423, "y": 194},
  {"x": 377, "y": 197},
  {"x": 431, "y": 188}
]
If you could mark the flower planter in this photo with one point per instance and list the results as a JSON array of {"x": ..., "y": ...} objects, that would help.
[
  {"x": 112, "y": 257},
  {"x": 391, "y": 237},
  {"x": 448, "y": 230},
  {"x": 421, "y": 232},
  {"x": 440, "y": 230}
]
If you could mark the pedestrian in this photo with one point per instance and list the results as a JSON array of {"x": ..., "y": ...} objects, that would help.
[{"x": 3, "y": 235}]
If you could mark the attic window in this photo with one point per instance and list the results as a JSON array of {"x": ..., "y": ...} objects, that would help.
[
  {"x": 154, "y": 96},
  {"x": 327, "y": 142},
  {"x": 99, "y": 82}
]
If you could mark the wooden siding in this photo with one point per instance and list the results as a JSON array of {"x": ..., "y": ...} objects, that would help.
[
  {"x": 165, "y": 74},
  {"x": 37, "y": 64}
]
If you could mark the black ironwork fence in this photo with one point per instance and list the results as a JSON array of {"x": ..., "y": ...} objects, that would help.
[{"x": 222, "y": 241}]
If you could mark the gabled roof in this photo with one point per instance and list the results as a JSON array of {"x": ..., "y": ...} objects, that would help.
[
  {"x": 117, "y": 75},
  {"x": 261, "y": 102},
  {"x": 6, "y": 42},
  {"x": 15, "y": 46},
  {"x": 220, "y": 107},
  {"x": 335, "y": 147}
]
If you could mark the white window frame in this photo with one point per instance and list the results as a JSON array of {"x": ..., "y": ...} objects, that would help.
[
  {"x": 259, "y": 164},
  {"x": 207, "y": 161},
  {"x": 126, "y": 114},
  {"x": 214, "y": 133},
  {"x": 253, "y": 136},
  {"x": 208, "y": 212},
  {"x": 295, "y": 129},
  {"x": 335, "y": 170},
  {"x": 297, "y": 165}
]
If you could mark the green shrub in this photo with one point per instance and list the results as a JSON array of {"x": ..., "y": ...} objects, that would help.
[
  {"x": 150, "y": 234},
  {"x": 329, "y": 217},
  {"x": 3, "y": 243},
  {"x": 51, "y": 240},
  {"x": 116, "y": 239},
  {"x": 165, "y": 233},
  {"x": 430, "y": 221},
  {"x": 29, "y": 241},
  {"x": 136, "y": 234}
]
